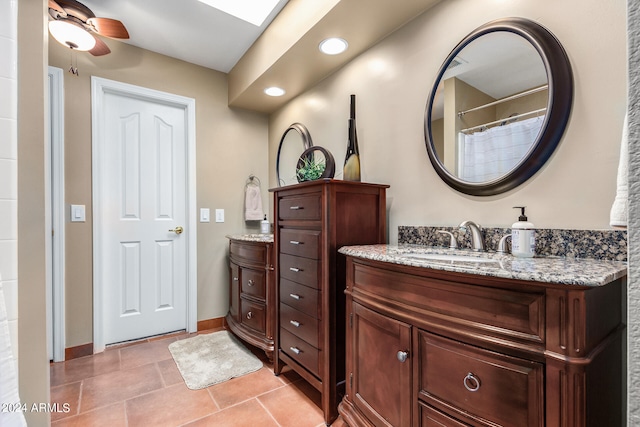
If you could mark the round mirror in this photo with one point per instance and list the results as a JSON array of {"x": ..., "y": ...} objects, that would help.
[
  {"x": 295, "y": 140},
  {"x": 499, "y": 107}
]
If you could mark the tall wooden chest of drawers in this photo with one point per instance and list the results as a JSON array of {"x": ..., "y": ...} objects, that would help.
[
  {"x": 313, "y": 220},
  {"x": 252, "y": 290}
]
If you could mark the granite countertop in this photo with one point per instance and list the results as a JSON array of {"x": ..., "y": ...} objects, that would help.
[
  {"x": 561, "y": 270},
  {"x": 252, "y": 237}
]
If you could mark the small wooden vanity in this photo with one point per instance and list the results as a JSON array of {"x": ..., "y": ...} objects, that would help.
[
  {"x": 431, "y": 347},
  {"x": 252, "y": 290}
]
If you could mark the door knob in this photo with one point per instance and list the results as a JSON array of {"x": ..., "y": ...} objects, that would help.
[{"x": 178, "y": 230}]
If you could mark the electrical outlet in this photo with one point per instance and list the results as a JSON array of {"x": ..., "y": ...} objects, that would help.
[{"x": 219, "y": 215}]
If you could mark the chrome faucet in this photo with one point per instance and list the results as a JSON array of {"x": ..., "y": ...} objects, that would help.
[{"x": 477, "y": 240}]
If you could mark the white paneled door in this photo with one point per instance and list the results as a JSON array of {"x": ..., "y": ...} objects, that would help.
[{"x": 142, "y": 215}]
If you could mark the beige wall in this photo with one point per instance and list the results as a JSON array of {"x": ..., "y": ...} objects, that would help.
[
  {"x": 230, "y": 146},
  {"x": 392, "y": 81}
]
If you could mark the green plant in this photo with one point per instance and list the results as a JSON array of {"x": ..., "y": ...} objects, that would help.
[{"x": 309, "y": 169}]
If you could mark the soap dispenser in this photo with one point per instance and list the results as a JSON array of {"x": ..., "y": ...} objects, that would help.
[
  {"x": 265, "y": 227},
  {"x": 523, "y": 236}
]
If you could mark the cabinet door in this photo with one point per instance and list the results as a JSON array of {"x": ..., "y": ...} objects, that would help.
[{"x": 381, "y": 382}]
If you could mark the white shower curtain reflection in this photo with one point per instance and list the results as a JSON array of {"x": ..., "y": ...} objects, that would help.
[{"x": 484, "y": 156}]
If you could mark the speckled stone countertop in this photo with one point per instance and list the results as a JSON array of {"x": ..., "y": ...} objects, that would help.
[
  {"x": 568, "y": 271},
  {"x": 253, "y": 237}
]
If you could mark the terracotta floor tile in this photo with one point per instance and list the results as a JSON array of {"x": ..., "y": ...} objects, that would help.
[
  {"x": 67, "y": 394},
  {"x": 148, "y": 352},
  {"x": 118, "y": 386},
  {"x": 171, "y": 406},
  {"x": 170, "y": 373},
  {"x": 292, "y": 407},
  {"x": 248, "y": 414},
  {"x": 109, "y": 416},
  {"x": 239, "y": 389},
  {"x": 84, "y": 367}
]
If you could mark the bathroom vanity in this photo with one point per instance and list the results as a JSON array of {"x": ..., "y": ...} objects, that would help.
[
  {"x": 313, "y": 220},
  {"x": 456, "y": 338},
  {"x": 252, "y": 289}
]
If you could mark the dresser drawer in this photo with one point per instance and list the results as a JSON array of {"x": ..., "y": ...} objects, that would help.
[
  {"x": 498, "y": 388},
  {"x": 300, "y": 270},
  {"x": 307, "y": 207},
  {"x": 253, "y": 283},
  {"x": 302, "y": 298},
  {"x": 300, "y": 351},
  {"x": 430, "y": 417},
  {"x": 299, "y": 324},
  {"x": 248, "y": 252},
  {"x": 305, "y": 243},
  {"x": 253, "y": 315}
]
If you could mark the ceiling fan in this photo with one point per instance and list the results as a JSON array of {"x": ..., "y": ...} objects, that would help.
[{"x": 75, "y": 25}]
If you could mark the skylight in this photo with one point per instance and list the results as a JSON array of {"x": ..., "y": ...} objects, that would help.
[{"x": 252, "y": 11}]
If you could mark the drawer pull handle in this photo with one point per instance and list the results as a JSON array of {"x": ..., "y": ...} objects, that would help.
[
  {"x": 295, "y": 269},
  {"x": 249, "y": 315},
  {"x": 296, "y": 208},
  {"x": 296, "y": 350},
  {"x": 471, "y": 382},
  {"x": 402, "y": 356},
  {"x": 235, "y": 279},
  {"x": 295, "y": 323},
  {"x": 295, "y": 296},
  {"x": 250, "y": 282},
  {"x": 295, "y": 242}
]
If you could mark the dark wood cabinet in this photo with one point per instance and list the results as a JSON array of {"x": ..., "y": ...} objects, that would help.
[
  {"x": 312, "y": 221},
  {"x": 252, "y": 292},
  {"x": 430, "y": 347}
]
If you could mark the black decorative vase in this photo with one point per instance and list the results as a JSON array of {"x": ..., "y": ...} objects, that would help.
[{"x": 351, "y": 170}]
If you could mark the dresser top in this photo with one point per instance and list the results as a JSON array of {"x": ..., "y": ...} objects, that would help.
[{"x": 560, "y": 270}]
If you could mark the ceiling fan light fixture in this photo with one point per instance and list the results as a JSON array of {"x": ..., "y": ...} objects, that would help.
[
  {"x": 71, "y": 35},
  {"x": 333, "y": 46},
  {"x": 274, "y": 91}
]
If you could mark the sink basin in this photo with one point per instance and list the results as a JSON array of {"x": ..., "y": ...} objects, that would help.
[{"x": 450, "y": 257}]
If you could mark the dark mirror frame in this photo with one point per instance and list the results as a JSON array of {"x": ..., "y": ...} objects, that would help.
[
  {"x": 306, "y": 142},
  {"x": 560, "y": 80}
]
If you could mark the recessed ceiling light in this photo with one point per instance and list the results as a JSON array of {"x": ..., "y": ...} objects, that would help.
[
  {"x": 333, "y": 46},
  {"x": 274, "y": 91},
  {"x": 252, "y": 11}
]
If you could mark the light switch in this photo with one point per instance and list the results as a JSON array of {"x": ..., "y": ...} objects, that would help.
[
  {"x": 77, "y": 213},
  {"x": 219, "y": 215},
  {"x": 205, "y": 215}
]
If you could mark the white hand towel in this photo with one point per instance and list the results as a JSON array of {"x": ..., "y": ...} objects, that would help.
[
  {"x": 253, "y": 203},
  {"x": 618, "y": 215}
]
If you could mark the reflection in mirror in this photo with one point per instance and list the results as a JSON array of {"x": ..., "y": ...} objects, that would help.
[
  {"x": 295, "y": 140},
  {"x": 489, "y": 115}
]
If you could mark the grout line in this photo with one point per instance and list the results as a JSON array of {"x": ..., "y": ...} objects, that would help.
[{"x": 269, "y": 412}]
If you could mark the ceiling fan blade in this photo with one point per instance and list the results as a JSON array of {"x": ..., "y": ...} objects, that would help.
[
  {"x": 55, "y": 6},
  {"x": 109, "y": 27},
  {"x": 100, "y": 48}
]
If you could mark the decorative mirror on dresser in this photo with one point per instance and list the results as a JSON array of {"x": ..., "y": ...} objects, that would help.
[{"x": 499, "y": 107}]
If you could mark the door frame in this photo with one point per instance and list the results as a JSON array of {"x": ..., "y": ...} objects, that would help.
[
  {"x": 55, "y": 216},
  {"x": 99, "y": 88}
]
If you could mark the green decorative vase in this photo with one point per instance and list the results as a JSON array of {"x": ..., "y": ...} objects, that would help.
[{"x": 351, "y": 170}]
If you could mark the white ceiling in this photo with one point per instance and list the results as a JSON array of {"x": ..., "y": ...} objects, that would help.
[{"x": 187, "y": 29}]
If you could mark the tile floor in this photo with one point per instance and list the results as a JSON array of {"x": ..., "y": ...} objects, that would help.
[{"x": 139, "y": 385}]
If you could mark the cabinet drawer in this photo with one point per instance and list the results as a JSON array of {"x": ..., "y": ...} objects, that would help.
[
  {"x": 253, "y": 315},
  {"x": 299, "y": 324},
  {"x": 302, "y": 298},
  {"x": 300, "y": 270},
  {"x": 300, "y": 351},
  {"x": 248, "y": 252},
  {"x": 305, "y": 243},
  {"x": 430, "y": 417},
  {"x": 495, "y": 387},
  {"x": 300, "y": 207},
  {"x": 253, "y": 283}
]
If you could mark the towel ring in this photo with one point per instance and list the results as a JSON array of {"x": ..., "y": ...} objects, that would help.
[{"x": 252, "y": 178}]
